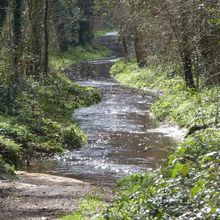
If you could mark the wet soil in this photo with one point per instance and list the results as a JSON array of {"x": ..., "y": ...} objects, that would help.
[{"x": 40, "y": 196}]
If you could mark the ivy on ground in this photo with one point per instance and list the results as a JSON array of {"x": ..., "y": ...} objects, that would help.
[{"x": 187, "y": 186}]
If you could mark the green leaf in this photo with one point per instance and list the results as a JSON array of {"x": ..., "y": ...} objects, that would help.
[{"x": 198, "y": 187}]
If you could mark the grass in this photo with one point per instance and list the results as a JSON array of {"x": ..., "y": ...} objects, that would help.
[
  {"x": 180, "y": 105},
  {"x": 187, "y": 185},
  {"x": 89, "y": 208},
  {"x": 100, "y": 33},
  {"x": 78, "y": 54},
  {"x": 39, "y": 122}
]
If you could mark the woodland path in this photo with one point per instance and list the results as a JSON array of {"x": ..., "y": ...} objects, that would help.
[
  {"x": 37, "y": 196},
  {"x": 123, "y": 139}
]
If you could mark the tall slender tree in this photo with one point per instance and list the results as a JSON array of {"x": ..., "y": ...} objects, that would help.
[
  {"x": 86, "y": 34},
  {"x": 36, "y": 19},
  {"x": 184, "y": 44},
  {"x": 17, "y": 34},
  {"x": 58, "y": 16},
  {"x": 3, "y": 11},
  {"x": 46, "y": 37}
]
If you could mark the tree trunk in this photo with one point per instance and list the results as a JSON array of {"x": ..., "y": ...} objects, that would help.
[
  {"x": 60, "y": 26},
  {"x": 17, "y": 35},
  {"x": 184, "y": 46},
  {"x": 3, "y": 12},
  {"x": 36, "y": 30},
  {"x": 83, "y": 31},
  {"x": 140, "y": 52},
  {"x": 86, "y": 34},
  {"x": 125, "y": 48},
  {"x": 137, "y": 49},
  {"x": 46, "y": 38},
  {"x": 187, "y": 67},
  {"x": 62, "y": 39}
]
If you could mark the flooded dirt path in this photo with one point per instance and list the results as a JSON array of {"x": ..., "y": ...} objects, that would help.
[{"x": 123, "y": 137}]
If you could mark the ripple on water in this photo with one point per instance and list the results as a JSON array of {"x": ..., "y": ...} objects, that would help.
[{"x": 123, "y": 137}]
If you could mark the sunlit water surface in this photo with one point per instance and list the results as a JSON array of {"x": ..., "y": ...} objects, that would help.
[{"x": 123, "y": 137}]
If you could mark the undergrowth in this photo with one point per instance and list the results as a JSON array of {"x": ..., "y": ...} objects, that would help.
[
  {"x": 78, "y": 54},
  {"x": 40, "y": 123},
  {"x": 89, "y": 208},
  {"x": 178, "y": 104},
  {"x": 187, "y": 186}
]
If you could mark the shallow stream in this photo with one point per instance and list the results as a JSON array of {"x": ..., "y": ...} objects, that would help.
[{"x": 123, "y": 137}]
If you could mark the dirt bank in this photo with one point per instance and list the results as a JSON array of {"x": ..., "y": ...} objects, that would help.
[{"x": 42, "y": 196}]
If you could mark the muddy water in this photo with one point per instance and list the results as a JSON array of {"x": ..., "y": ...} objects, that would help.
[{"x": 123, "y": 137}]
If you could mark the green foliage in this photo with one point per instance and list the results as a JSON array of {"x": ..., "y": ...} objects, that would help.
[
  {"x": 70, "y": 139},
  {"x": 6, "y": 170},
  {"x": 78, "y": 54},
  {"x": 187, "y": 186},
  {"x": 9, "y": 148},
  {"x": 179, "y": 104},
  {"x": 100, "y": 33},
  {"x": 41, "y": 121},
  {"x": 151, "y": 77},
  {"x": 76, "y": 216},
  {"x": 189, "y": 107},
  {"x": 89, "y": 208}
]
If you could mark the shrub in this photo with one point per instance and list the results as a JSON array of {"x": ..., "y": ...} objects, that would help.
[
  {"x": 41, "y": 121},
  {"x": 187, "y": 186}
]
